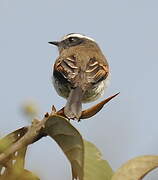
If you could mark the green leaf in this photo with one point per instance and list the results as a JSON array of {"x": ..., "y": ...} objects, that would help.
[
  {"x": 86, "y": 160},
  {"x": 95, "y": 168},
  {"x": 15, "y": 162},
  {"x": 137, "y": 168},
  {"x": 11, "y": 138},
  {"x": 70, "y": 141}
]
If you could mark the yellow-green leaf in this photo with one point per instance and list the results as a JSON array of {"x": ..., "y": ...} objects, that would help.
[
  {"x": 30, "y": 109},
  {"x": 27, "y": 175},
  {"x": 95, "y": 168},
  {"x": 136, "y": 168}
]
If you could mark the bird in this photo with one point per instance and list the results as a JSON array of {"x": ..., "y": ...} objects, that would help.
[{"x": 80, "y": 72}]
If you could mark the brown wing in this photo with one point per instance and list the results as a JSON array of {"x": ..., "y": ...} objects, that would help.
[
  {"x": 96, "y": 71},
  {"x": 66, "y": 68}
]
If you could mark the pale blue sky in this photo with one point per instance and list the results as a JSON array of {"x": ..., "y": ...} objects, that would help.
[{"x": 127, "y": 31}]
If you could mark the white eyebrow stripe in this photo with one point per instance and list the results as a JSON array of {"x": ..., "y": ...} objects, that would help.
[{"x": 77, "y": 35}]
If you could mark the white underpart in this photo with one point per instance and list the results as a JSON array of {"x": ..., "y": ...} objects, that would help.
[
  {"x": 77, "y": 35},
  {"x": 95, "y": 93},
  {"x": 107, "y": 80},
  {"x": 103, "y": 86}
]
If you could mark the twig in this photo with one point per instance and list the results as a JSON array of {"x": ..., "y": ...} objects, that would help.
[{"x": 29, "y": 137}]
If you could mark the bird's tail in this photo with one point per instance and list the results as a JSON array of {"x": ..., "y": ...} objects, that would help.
[{"x": 73, "y": 108}]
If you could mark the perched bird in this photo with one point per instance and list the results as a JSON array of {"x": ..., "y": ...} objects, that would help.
[{"x": 80, "y": 73}]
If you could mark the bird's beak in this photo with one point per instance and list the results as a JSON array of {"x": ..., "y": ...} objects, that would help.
[{"x": 56, "y": 43}]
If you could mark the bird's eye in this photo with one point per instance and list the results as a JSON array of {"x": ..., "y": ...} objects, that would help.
[{"x": 72, "y": 39}]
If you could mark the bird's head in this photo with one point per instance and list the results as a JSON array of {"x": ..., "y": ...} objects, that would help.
[{"x": 73, "y": 39}]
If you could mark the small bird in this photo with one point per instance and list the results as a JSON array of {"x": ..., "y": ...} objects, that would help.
[{"x": 80, "y": 73}]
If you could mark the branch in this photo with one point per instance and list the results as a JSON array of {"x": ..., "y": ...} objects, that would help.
[{"x": 37, "y": 129}]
